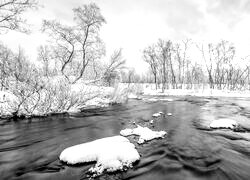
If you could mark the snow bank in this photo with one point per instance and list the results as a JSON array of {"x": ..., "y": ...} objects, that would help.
[
  {"x": 224, "y": 123},
  {"x": 58, "y": 96},
  {"x": 111, "y": 154},
  {"x": 132, "y": 96},
  {"x": 99, "y": 102},
  {"x": 144, "y": 133}
]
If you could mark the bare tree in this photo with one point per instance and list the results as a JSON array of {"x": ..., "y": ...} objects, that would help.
[
  {"x": 11, "y": 12},
  {"x": 89, "y": 20},
  {"x": 208, "y": 63},
  {"x": 44, "y": 56},
  {"x": 112, "y": 70},
  {"x": 177, "y": 52},
  {"x": 223, "y": 54},
  {"x": 6, "y": 58},
  {"x": 64, "y": 37},
  {"x": 131, "y": 76},
  {"x": 165, "y": 59},
  {"x": 77, "y": 45},
  {"x": 149, "y": 56}
]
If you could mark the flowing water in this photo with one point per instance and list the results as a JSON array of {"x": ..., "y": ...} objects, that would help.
[{"x": 29, "y": 149}]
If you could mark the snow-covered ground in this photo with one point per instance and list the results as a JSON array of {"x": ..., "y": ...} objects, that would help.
[
  {"x": 111, "y": 154},
  {"x": 149, "y": 89},
  {"x": 144, "y": 133}
]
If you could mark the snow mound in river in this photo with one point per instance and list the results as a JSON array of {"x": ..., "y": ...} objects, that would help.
[
  {"x": 144, "y": 133},
  {"x": 224, "y": 123},
  {"x": 111, "y": 154},
  {"x": 157, "y": 114}
]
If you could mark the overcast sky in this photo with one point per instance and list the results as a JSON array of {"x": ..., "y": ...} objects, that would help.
[{"x": 135, "y": 24}]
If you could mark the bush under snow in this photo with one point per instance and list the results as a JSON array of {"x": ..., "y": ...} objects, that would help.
[{"x": 8, "y": 103}]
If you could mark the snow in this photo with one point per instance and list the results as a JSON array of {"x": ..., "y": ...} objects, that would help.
[
  {"x": 157, "y": 99},
  {"x": 166, "y": 99},
  {"x": 224, "y": 123},
  {"x": 157, "y": 114},
  {"x": 127, "y": 132},
  {"x": 98, "y": 102},
  {"x": 197, "y": 90},
  {"x": 8, "y": 103},
  {"x": 132, "y": 96},
  {"x": 169, "y": 114},
  {"x": 151, "y": 121},
  {"x": 57, "y": 97},
  {"x": 144, "y": 133},
  {"x": 151, "y": 99},
  {"x": 110, "y": 153}
]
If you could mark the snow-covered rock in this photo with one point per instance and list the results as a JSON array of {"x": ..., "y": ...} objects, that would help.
[
  {"x": 224, "y": 123},
  {"x": 126, "y": 132},
  {"x": 144, "y": 133},
  {"x": 157, "y": 114},
  {"x": 111, "y": 154}
]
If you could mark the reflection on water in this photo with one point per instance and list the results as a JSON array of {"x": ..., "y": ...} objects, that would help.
[{"x": 29, "y": 149}]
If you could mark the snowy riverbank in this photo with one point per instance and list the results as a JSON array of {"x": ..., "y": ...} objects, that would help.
[
  {"x": 58, "y": 97},
  {"x": 137, "y": 89},
  {"x": 62, "y": 98}
]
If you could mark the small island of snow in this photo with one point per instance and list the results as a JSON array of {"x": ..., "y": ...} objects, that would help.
[
  {"x": 157, "y": 114},
  {"x": 224, "y": 123},
  {"x": 111, "y": 154},
  {"x": 144, "y": 133}
]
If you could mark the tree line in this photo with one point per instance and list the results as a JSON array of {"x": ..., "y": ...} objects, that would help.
[{"x": 170, "y": 66}]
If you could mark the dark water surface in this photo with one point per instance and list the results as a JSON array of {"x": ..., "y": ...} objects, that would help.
[{"x": 29, "y": 149}]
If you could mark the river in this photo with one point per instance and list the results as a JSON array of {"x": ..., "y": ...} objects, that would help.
[{"x": 29, "y": 148}]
